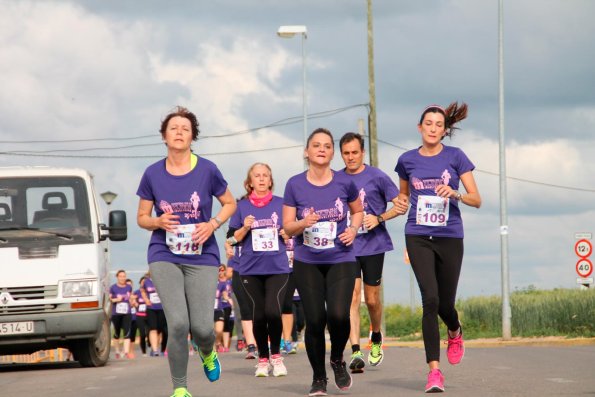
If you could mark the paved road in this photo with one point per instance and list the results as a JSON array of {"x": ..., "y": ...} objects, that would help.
[{"x": 502, "y": 371}]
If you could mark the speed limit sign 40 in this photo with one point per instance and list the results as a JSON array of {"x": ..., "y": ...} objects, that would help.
[
  {"x": 583, "y": 248},
  {"x": 584, "y": 267}
]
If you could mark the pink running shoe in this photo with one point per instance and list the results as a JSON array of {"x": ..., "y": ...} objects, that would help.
[
  {"x": 435, "y": 382},
  {"x": 455, "y": 350}
]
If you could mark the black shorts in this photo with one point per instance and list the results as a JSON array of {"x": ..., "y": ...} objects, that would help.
[
  {"x": 121, "y": 323},
  {"x": 227, "y": 323},
  {"x": 156, "y": 320},
  {"x": 219, "y": 315},
  {"x": 371, "y": 268}
]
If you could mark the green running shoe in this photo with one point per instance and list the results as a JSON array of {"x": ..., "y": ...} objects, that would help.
[
  {"x": 376, "y": 355},
  {"x": 357, "y": 363},
  {"x": 181, "y": 392},
  {"x": 212, "y": 366}
]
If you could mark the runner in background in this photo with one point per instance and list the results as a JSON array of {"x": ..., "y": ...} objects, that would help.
[
  {"x": 119, "y": 294},
  {"x": 376, "y": 189},
  {"x": 141, "y": 318},
  {"x": 430, "y": 177}
]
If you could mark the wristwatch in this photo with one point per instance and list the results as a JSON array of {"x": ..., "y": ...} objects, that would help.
[
  {"x": 458, "y": 195},
  {"x": 380, "y": 219}
]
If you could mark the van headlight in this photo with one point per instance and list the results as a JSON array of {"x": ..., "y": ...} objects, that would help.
[{"x": 72, "y": 289}]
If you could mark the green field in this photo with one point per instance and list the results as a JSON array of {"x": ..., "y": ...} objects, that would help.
[{"x": 558, "y": 312}]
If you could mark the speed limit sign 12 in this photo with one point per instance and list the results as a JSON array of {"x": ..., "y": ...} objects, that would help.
[
  {"x": 584, "y": 267},
  {"x": 583, "y": 248}
]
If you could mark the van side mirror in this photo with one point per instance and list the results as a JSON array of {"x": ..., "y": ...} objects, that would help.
[{"x": 118, "y": 231}]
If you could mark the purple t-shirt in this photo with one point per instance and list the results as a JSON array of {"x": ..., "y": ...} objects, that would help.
[
  {"x": 265, "y": 259},
  {"x": 191, "y": 197},
  {"x": 141, "y": 310},
  {"x": 222, "y": 286},
  {"x": 152, "y": 295},
  {"x": 331, "y": 202},
  {"x": 375, "y": 190},
  {"x": 122, "y": 307},
  {"x": 424, "y": 174}
]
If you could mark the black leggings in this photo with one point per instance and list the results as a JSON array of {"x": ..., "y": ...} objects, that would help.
[
  {"x": 326, "y": 292},
  {"x": 141, "y": 323},
  {"x": 243, "y": 301},
  {"x": 266, "y": 292},
  {"x": 436, "y": 262}
]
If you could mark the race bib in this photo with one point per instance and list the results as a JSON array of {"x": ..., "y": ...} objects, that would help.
[
  {"x": 290, "y": 258},
  {"x": 432, "y": 211},
  {"x": 154, "y": 298},
  {"x": 142, "y": 308},
  {"x": 321, "y": 235},
  {"x": 122, "y": 308},
  {"x": 180, "y": 242},
  {"x": 264, "y": 240}
]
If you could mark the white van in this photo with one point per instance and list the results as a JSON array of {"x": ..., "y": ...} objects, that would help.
[{"x": 54, "y": 263}]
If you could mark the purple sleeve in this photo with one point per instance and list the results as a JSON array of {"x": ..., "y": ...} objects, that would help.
[
  {"x": 218, "y": 183},
  {"x": 145, "y": 190},
  {"x": 111, "y": 291},
  {"x": 463, "y": 163},
  {"x": 352, "y": 192},
  {"x": 388, "y": 187},
  {"x": 288, "y": 197},
  {"x": 400, "y": 169},
  {"x": 235, "y": 221}
]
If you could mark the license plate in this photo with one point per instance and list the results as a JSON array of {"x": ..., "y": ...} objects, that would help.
[{"x": 22, "y": 327}]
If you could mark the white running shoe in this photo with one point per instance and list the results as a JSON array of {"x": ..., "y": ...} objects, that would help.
[
  {"x": 262, "y": 368},
  {"x": 278, "y": 366}
]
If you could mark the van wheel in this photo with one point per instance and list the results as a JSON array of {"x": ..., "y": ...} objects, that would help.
[{"x": 93, "y": 352}]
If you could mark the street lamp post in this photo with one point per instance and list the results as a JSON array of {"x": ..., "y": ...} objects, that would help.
[{"x": 289, "y": 31}]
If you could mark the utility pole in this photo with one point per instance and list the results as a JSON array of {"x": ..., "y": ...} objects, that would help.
[
  {"x": 372, "y": 92},
  {"x": 372, "y": 124},
  {"x": 506, "y": 312}
]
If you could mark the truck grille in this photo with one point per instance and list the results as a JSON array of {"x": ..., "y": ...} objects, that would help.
[
  {"x": 27, "y": 309},
  {"x": 38, "y": 252},
  {"x": 36, "y": 292}
]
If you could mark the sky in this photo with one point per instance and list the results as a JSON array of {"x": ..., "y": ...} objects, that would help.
[{"x": 87, "y": 83}]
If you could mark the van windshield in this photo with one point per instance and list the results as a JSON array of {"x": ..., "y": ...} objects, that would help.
[{"x": 44, "y": 209}]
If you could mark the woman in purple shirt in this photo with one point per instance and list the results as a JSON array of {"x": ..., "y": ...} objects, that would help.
[
  {"x": 183, "y": 254},
  {"x": 119, "y": 294},
  {"x": 429, "y": 178},
  {"x": 316, "y": 204},
  {"x": 263, "y": 266}
]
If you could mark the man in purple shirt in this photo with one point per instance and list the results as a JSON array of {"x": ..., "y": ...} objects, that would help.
[{"x": 375, "y": 189}]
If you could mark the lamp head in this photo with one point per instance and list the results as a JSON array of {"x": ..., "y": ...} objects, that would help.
[{"x": 288, "y": 31}]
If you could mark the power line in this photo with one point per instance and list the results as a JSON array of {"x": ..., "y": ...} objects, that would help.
[
  {"x": 509, "y": 177},
  {"x": 278, "y": 123}
]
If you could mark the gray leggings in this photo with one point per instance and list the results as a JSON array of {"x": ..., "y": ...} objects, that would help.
[{"x": 187, "y": 293}]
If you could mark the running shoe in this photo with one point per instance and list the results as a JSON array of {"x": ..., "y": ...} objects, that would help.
[
  {"x": 342, "y": 377},
  {"x": 241, "y": 345},
  {"x": 251, "y": 355},
  {"x": 117, "y": 356},
  {"x": 357, "y": 363},
  {"x": 181, "y": 392},
  {"x": 154, "y": 353},
  {"x": 212, "y": 366},
  {"x": 318, "y": 387},
  {"x": 278, "y": 366},
  {"x": 294, "y": 347},
  {"x": 456, "y": 349},
  {"x": 262, "y": 368},
  {"x": 130, "y": 355},
  {"x": 281, "y": 345},
  {"x": 287, "y": 347},
  {"x": 376, "y": 354},
  {"x": 435, "y": 382}
]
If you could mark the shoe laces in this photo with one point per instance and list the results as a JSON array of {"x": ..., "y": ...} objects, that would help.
[
  {"x": 209, "y": 361},
  {"x": 376, "y": 349},
  {"x": 455, "y": 342},
  {"x": 262, "y": 363}
]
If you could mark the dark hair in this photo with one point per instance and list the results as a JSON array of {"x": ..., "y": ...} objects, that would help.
[
  {"x": 180, "y": 111},
  {"x": 452, "y": 115},
  {"x": 120, "y": 271},
  {"x": 352, "y": 136},
  {"x": 320, "y": 130}
]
